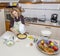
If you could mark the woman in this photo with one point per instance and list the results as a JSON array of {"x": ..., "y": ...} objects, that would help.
[{"x": 17, "y": 18}]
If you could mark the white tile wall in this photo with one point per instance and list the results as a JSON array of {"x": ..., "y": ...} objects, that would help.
[
  {"x": 48, "y": 0},
  {"x": 36, "y": 10},
  {"x": 42, "y": 6}
]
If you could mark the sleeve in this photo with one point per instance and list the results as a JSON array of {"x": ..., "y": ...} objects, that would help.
[
  {"x": 22, "y": 20},
  {"x": 11, "y": 23}
]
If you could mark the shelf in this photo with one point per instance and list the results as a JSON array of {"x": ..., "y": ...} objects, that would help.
[{"x": 42, "y": 3}]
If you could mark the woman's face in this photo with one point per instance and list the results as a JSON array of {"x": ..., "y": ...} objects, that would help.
[{"x": 15, "y": 13}]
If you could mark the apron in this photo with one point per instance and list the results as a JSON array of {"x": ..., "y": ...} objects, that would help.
[{"x": 16, "y": 25}]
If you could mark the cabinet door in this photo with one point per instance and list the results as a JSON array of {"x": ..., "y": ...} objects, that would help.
[{"x": 7, "y": 25}]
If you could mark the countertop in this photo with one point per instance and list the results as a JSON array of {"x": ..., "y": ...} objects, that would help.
[
  {"x": 21, "y": 48},
  {"x": 47, "y": 23}
]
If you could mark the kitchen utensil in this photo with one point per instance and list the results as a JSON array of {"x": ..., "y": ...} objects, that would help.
[
  {"x": 42, "y": 18},
  {"x": 46, "y": 33},
  {"x": 27, "y": 19},
  {"x": 35, "y": 40},
  {"x": 34, "y": 19}
]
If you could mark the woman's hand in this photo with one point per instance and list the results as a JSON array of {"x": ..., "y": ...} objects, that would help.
[{"x": 14, "y": 31}]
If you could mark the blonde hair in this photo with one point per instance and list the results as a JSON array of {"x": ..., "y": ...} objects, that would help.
[{"x": 19, "y": 11}]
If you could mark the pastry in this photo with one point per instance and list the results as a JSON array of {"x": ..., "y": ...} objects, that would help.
[{"x": 21, "y": 36}]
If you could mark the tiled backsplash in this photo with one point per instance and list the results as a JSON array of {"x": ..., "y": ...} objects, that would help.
[{"x": 37, "y": 10}]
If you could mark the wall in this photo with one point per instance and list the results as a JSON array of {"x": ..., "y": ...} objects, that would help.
[
  {"x": 37, "y": 10},
  {"x": 2, "y": 22}
]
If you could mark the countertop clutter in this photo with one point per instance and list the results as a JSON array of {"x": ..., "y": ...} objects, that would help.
[
  {"x": 42, "y": 21},
  {"x": 25, "y": 47},
  {"x": 47, "y": 23}
]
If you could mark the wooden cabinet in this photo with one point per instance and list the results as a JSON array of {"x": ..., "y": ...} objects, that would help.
[
  {"x": 3, "y": 5},
  {"x": 43, "y": 2},
  {"x": 7, "y": 25}
]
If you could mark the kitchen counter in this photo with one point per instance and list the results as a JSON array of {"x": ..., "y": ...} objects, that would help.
[
  {"x": 21, "y": 48},
  {"x": 47, "y": 23}
]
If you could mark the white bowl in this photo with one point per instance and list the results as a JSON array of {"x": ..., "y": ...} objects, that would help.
[{"x": 46, "y": 33}]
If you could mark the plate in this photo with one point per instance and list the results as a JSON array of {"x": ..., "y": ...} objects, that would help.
[
  {"x": 48, "y": 46},
  {"x": 21, "y": 36}
]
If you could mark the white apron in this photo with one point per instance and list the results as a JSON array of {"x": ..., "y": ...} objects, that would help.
[
  {"x": 16, "y": 25},
  {"x": 19, "y": 27}
]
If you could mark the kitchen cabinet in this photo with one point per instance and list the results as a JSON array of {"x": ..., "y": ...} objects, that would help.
[
  {"x": 36, "y": 30},
  {"x": 42, "y": 2},
  {"x": 7, "y": 23},
  {"x": 3, "y": 5},
  {"x": 2, "y": 22}
]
